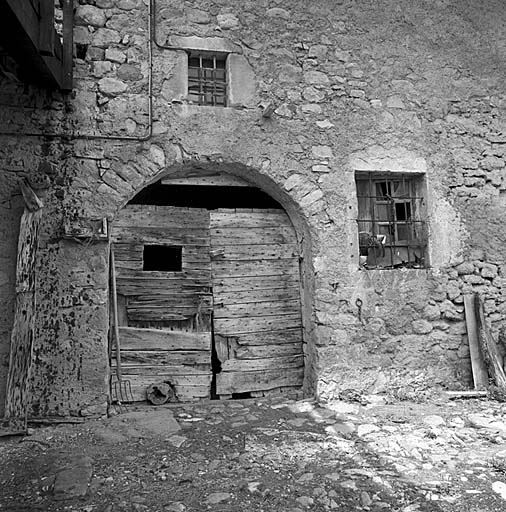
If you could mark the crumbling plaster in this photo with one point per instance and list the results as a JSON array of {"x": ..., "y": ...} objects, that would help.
[{"x": 395, "y": 86}]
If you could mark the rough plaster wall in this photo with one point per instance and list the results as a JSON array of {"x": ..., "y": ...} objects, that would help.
[{"x": 418, "y": 80}]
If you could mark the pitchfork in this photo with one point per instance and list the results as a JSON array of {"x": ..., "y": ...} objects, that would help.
[{"x": 121, "y": 390}]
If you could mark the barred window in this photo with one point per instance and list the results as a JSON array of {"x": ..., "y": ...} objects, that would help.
[
  {"x": 207, "y": 81},
  {"x": 391, "y": 220}
]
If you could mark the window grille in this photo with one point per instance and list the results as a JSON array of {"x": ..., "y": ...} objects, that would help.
[
  {"x": 207, "y": 83},
  {"x": 391, "y": 221}
]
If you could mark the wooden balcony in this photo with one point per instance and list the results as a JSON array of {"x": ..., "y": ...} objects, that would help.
[{"x": 28, "y": 34}]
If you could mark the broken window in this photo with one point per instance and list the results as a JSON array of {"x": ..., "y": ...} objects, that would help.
[
  {"x": 163, "y": 258},
  {"x": 207, "y": 82},
  {"x": 391, "y": 220}
]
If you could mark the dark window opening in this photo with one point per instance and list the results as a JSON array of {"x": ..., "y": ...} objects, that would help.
[
  {"x": 207, "y": 81},
  {"x": 163, "y": 258},
  {"x": 391, "y": 221},
  {"x": 200, "y": 196}
]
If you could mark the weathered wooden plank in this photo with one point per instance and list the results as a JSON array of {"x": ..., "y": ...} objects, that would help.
[
  {"x": 260, "y": 352},
  {"x": 229, "y": 327},
  {"x": 165, "y": 357},
  {"x": 161, "y": 217},
  {"x": 255, "y": 268},
  {"x": 214, "y": 180},
  {"x": 171, "y": 300},
  {"x": 22, "y": 334},
  {"x": 185, "y": 388},
  {"x": 271, "y": 363},
  {"x": 274, "y": 337},
  {"x": 134, "y": 338},
  {"x": 162, "y": 314},
  {"x": 163, "y": 236},
  {"x": 248, "y": 283},
  {"x": 183, "y": 373},
  {"x": 480, "y": 375},
  {"x": 242, "y": 382},
  {"x": 260, "y": 252},
  {"x": 187, "y": 275},
  {"x": 138, "y": 285},
  {"x": 254, "y": 309},
  {"x": 256, "y": 296},
  {"x": 258, "y": 219},
  {"x": 251, "y": 236}
]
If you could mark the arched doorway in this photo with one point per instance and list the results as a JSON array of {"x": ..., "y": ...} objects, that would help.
[{"x": 208, "y": 290}]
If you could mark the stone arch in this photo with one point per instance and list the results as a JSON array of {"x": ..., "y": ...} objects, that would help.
[{"x": 298, "y": 218}]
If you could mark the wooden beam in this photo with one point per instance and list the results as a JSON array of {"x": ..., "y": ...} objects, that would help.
[
  {"x": 68, "y": 45},
  {"x": 215, "y": 180},
  {"x": 47, "y": 34}
]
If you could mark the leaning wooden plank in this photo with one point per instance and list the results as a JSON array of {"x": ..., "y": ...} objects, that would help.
[
  {"x": 245, "y": 310},
  {"x": 466, "y": 394},
  {"x": 271, "y": 337},
  {"x": 261, "y": 252},
  {"x": 216, "y": 180},
  {"x": 229, "y": 327},
  {"x": 233, "y": 284},
  {"x": 134, "y": 338},
  {"x": 260, "y": 352},
  {"x": 242, "y": 382},
  {"x": 489, "y": 349},
  {"x": 22, "y": 334},
  {"x": 270, "y": 363},
  {"x": 165, "y": 357},
  {"x": 253, "y": 267},
  {"x": 480, "y": 375},
  {"x": 257, "y": 296}
]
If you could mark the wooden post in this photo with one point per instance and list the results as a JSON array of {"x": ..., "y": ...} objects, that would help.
[
  {"x": 480, "y": 375},
  {"x": 489, "y": 349},
  {"x": 21, "y": 350},
  {"x": 46, "y": 29}
]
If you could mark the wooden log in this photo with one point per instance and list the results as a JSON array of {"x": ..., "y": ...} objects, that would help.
[
  {"x": 271, "y": 363},
  {"x": 134, "y": 338},
  {"x": 242, "y": 382},
  {"x": 234, "y": 326},
  {"x": 489, "y": 349},
  {"x": 22, "y": 335},
  {"x": 480, "y": 375}
]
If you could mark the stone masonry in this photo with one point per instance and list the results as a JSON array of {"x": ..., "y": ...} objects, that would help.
[{"x": 388, "y": 86}]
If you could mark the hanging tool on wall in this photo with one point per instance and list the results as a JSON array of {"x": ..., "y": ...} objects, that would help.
[{"x": 121, "y": 390}]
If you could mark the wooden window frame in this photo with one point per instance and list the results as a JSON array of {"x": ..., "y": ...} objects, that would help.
[{"x": 392, "y": 220}]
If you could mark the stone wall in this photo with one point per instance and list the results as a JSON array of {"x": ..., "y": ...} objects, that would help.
[{"x": 412, "y": 86}]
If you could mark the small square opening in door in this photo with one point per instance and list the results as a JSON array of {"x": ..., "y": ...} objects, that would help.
[{"x": 164, "y": 258}]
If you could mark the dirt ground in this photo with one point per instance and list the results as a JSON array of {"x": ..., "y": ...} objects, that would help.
[{"x": 265, "y": 455}]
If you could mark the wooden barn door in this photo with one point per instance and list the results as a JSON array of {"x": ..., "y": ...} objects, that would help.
[
  {"x": 257, "y": 309},
  {"x": 164, "y": 292}
]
